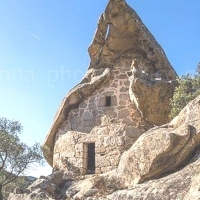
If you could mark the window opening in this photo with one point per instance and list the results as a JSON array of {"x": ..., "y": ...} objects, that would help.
[{"x": 108, "y": 101}]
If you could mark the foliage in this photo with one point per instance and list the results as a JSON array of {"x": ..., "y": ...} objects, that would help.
[
  {"x": 7, "y": 189},
  {"x": 188, "y": 88},
  {"x": 15, "y": 156}
]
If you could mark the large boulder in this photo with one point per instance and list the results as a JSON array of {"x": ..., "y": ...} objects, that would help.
[
  {"x": 42, "y": 188},
  {"x": 151, "y": 95},
  {"x": 184, "y": 185},
  {"x": 56, "y": 177},
  {"x": 162, "y": 149}
]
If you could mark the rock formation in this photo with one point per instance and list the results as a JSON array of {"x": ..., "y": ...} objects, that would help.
[
  {"x": 150, "y": 95},
  {"x": 164, "y": 163},
  {"x": 162, "y": 149},
  {"x": 111, "y": 137},
  {"x": 42, "y": 188},
  {"x": 112, "y": 106},
  {"x": 112, "y": 130},
  {"x": 166, "y": 155}
]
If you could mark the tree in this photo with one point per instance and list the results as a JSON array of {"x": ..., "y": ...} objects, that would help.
[
  {"x": 9, "y": 188},
  {"x": 188, "y": 88},
  {"x": 198, "y": 69},
  {"x": 15, "y": 156}
]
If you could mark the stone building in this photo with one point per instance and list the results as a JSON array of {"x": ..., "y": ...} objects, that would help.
[{"x": 125, "y": 92}]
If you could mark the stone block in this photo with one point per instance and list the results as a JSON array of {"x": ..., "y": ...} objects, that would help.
[
  {"x": 87, "y": 138},
  {"x": 98, "y": 119},
  {"x": 68, "y": 154},
  {"x": 122, "y": 76},
  {"x": 102, "y": 102},
  {"x": 113, "y": 141},
  {"x": 124, "y": 113},
  {"x": 106, "y": 141},
  {"x": 92, "y": 100},
  {"x": 99, "y": 149},
  {"x": 56, "y": 156},
  {"x": 61, "y": 147},
  {"x": 114, "y": 160},
  {"x": 137, "y": 114},
  {"x": 113, "y": 101},
  {"x": 102, "y": 161},
  {"x": 95, "y": 112},
  {"x": 88, "y": 129},
  {"x": 97, "y": 170},
  {"x": 124, "y": 89},
  {"x": 82, "y": 105},
  {"x": 87, "y": 116},
  {"x": 92, "y": 106},
  {"x": 129, "y": 141},
  {"x": 75, "y": 162},
  {"x": 82, "y": 170},
  {"x": 79, "y": 147},
  {"x": 132, "y": 132},
  {"x": 87, "y": 124},
  {"x": 79, "y": 162},
  {"x": 122, "y": 103},
  {"x": 114, "y": 85},
  {"x": 56, "y": 177},
  {"x": 108, "y": 93},
  {"x": 81, "y": 111},
  {"x": 127, "y": 120},
  {"x": 74, "y": 127},
  {"x": 127, "y": 83},
  {"x": 107, "y": 169},
  {"x": 111, "y": 113},
  {"x": 120, "y": 141},
  {"x": 124, "y": 97},
  {"x": 79, "y": 154},
  {"x": 103, "y": 131}
]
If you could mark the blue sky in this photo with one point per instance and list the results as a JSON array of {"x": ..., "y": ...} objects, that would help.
[{"x": 43, "y": 51}]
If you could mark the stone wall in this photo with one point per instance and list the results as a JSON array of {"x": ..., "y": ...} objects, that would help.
[{"x": 113, "y": 128}]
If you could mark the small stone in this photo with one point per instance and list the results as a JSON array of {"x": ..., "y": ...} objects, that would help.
[
  {"x": 122, "y": 76},
  {"x": 102, "y": 102},
  {"x": 126, "y": 83},
  {"x": 82, "y": 105},
  {"x": 124, "y": 113},
  {"x": 108, "y": 93},
  {"x": 92, "y": 106},
  {"x": 95, "y": 112},
  {"x": 87, "y": 116},
  {"x": 124, "y": 89},
  {"x": 122, "y": 103}
]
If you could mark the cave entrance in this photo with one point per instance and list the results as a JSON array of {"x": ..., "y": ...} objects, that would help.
[{"x": 89, "y": 158}]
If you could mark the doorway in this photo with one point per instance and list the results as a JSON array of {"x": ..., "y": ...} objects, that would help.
[{"x": 89, "y": 158}]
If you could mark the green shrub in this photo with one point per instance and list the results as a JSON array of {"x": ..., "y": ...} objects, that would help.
[{"x": 188, "y": 88}]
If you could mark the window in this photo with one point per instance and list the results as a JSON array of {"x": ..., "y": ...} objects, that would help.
[{"x": 108, "y": 101}]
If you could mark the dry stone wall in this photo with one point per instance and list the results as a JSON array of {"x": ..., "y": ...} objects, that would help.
[{"x": 113, "y": 128}]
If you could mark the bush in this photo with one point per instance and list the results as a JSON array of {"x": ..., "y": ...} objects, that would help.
[{"x": 188, "y": 88}]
